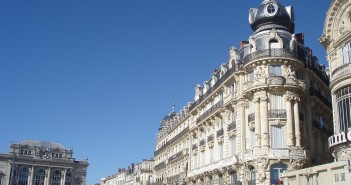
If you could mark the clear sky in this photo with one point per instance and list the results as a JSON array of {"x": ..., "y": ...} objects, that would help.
[{"x": 99, "y": 75}]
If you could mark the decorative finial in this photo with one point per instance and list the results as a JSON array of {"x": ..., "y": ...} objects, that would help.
[{"x": 173, "y": 106}]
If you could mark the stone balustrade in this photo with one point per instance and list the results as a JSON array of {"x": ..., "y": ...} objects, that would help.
[
  {"x": 273, "y": 153},
  {"x": 214, "y": 166},
  {"x": 274, "y": 81},
  {"x": 341, "y": 71}
]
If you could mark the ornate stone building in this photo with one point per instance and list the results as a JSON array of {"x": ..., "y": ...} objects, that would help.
[
  {"x": 336, "y": 39},
  {"x": 172, "y": 148},
  {"x": 265, "y": 111},
  {"x": 41, "y": 163},
  {"x": 136, "y": 174}
]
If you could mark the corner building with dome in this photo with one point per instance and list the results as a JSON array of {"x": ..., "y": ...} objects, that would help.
[
  {"x": 33, "y": 162},
  {"x": 265, "y": 111}
]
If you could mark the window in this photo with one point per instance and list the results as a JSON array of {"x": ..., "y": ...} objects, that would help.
[
  {"x": 276, "y": 102},
  {"x": 234, "y": 179},
  {"x": 252, "y": 177},
  {"x": 251, "y": 76},
  {"x": 275, "y": 70},
  {"x": 253, "y": 139},
  {"x": 343, "y": 101},
  {"x": 211, "y": 155},
  {"x": 233, "y": 87},
  {"x": 203, "y": 158},
  {"x": 346, "y": 53},
  {"x": 56, "y": 178},
  {"x": 211, "y": 180},
  {"x": 271, "y": 9},
  {"x": 220, "y": 179},
  {"x": 276, "y": 173},
  {"x": 39, "y": 177},
  {"x": 273, "y": 44},
  {"x": 278, "y": 137},
  {"x": 221, "y": 153},
  {"x": 233, "y": 144},
  {"x": 23, "y": 176}
]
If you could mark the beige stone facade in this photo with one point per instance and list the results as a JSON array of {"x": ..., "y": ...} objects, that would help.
[
  {"x": 265, "y": 111},
  {"x": 41, "y": 163},
  {"x": 336, "y": 40},
  {"x": 135, "y": 174}
]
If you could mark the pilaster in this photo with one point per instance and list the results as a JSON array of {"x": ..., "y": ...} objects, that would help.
[
  {"x": 257, "y": 121},
  {"x": 289, "y": 121}
]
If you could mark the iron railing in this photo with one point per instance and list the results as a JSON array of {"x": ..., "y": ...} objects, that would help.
[
  {"x": 195, "y": 147},
  {"x": 210, "y": 138},
  {"x": 210, "y": 111},
  {"x": 231, "y": 126},
  {"x": 220, "y": 133},
  {"x": 272, "y": 53},
  {"x": 251, "y": 117},
  {"x": 202, "y": 142},
  {"x": 175, "y": 157}
]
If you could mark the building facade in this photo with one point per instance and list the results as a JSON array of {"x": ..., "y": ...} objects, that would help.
[
  {"x": 135, "y": 174},
  {"x": 41, "y": 163},
  {"x": 336, "y": 39},
  {"x": 265, "y": 111}
]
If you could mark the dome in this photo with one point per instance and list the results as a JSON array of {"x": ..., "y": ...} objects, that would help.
[
  {"x": 167, "y": 118},
  {"x": 271, "y": 14},
  {"x": 43, "y": 144}
]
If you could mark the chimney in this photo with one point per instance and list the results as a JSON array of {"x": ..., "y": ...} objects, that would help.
[
  {"x": 300, "y": 38},
  {"x": 243, "y": 43}
]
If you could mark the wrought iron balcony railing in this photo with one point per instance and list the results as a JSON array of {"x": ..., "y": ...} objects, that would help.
[
  {"x": 210, "y": 138},
  {"x": 210, "y": 111},
  {"x": 231, "y": 126},
  {"x": 251, "y": 117},
  {"x": 220, "y": 133},
  {"x": 202, "y": 142},
  {"x": 272, "y": 53}
]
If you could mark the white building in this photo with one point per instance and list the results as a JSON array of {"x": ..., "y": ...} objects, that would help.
[{"x": 41, "y": 163}]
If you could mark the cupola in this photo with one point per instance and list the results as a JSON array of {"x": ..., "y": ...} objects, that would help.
[{"x": 271, "y": 14}]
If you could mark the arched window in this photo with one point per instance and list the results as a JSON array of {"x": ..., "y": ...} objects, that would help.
[
  {"x": 346, "y": 53},
  {"x": 211, "y": 180},
  {"x": 39, "y": 177},
  {"x": 234, "y": 178},
  {"x": 23, "y": 176},
  {"x": 56, "y": 178},
  {"x": 343, "y": 101},
  {"x": 252, "y": 176},
  {"x": 273, "y": 44},
  {"x": 276, "y": 173}
]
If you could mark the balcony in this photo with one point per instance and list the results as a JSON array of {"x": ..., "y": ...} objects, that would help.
[
  {"x": 202, "y": 142},
  {"x": 232, "y": 126},
  {"x": 251, "y": 118},
  {"x": 318, "y": 94},
  {"x": 174, "y": 178},
  {"x": 195, "y": 147},
  {"x": 274, "y": 153},
  {"x": 209, "y": 112},
  {"x": 342, "y": 71},
  {"x": 175, "y": 157},
  {"x": 276, "y": 53},
  {"x": 210, "y": 138},
  {"x": 212, "y": 89},
  {"x": 231, "y": 96},
  {"x": 160, "y": 166},
  {"x": 277, "y": 113},
  {"x": 185, "y": 131},
  {"x": 274, "y": 81},
  {"x": 220, "y": 133},
  {"x": 213, "y": 166}
]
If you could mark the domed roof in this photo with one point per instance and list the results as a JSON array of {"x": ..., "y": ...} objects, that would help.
[
  {"x": 44, "y": 144},
  {"x": 271, "y": 14},
  {"x": 167, "y": 118}
]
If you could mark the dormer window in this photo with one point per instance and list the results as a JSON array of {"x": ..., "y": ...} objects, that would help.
[{"x": 271, "y": 9}]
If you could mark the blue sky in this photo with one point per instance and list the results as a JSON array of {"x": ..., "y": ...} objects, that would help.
[{"x": 98, "y": 76}]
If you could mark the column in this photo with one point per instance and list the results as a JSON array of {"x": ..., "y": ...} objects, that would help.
[
  {"x": 63, "y": 176},
  {"x": 297, "y": 122},
  {"x": 264, "y": 121},
  {"x": 32, "y": 175},
  {"x": 257, "y": 121},
  {"x": 48, "y": 176},
  {"x": 289, "y": 123}
]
